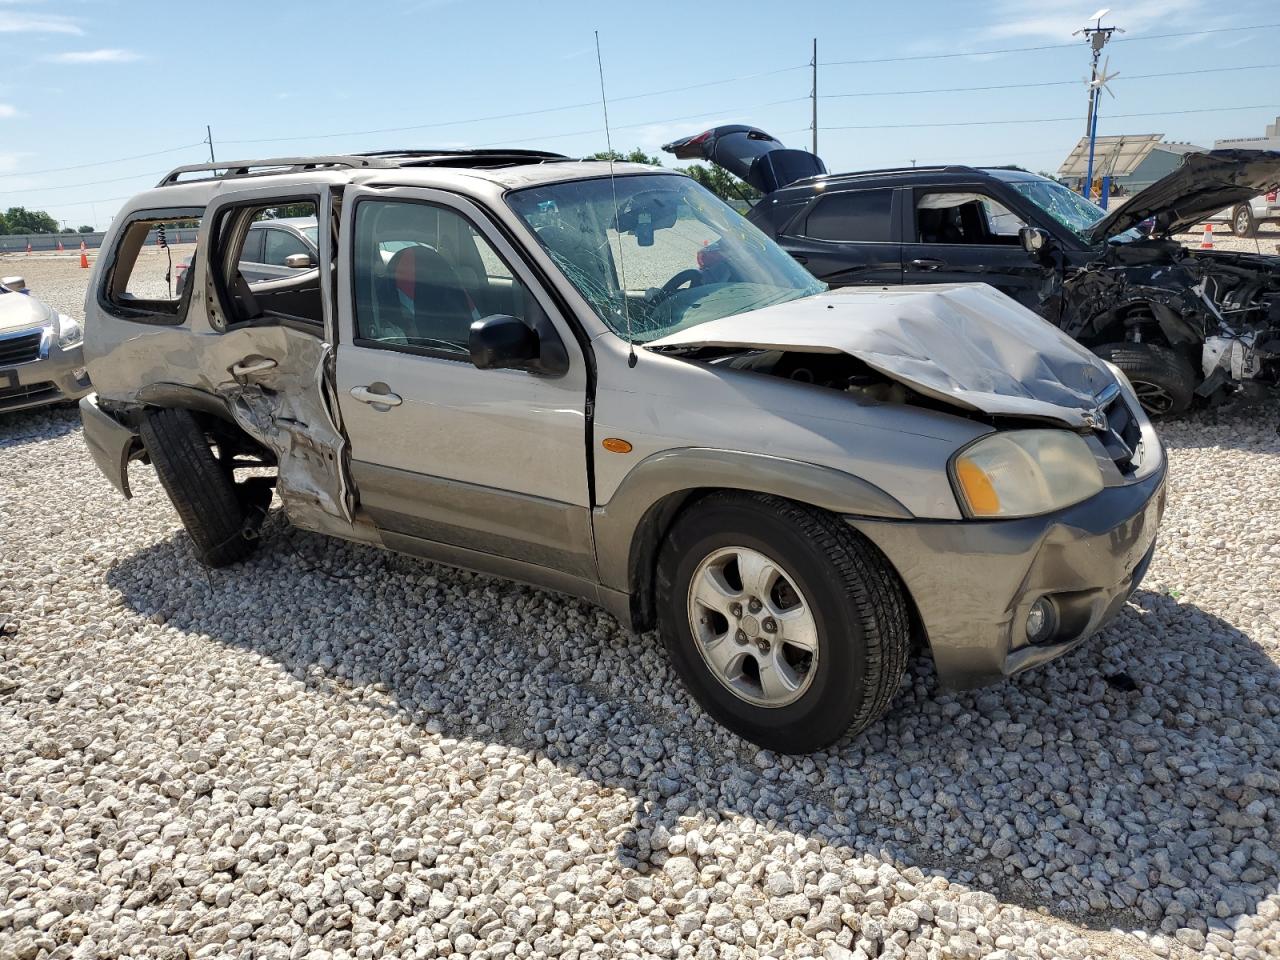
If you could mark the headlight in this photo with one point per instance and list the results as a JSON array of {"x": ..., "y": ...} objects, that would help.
[
  {"x": 1022, "y": 473},
  {"x": 70, "y": 333}
]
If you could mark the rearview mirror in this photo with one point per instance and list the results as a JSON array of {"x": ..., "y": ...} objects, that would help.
[
  {"x": 299, "y": 261},
  {"x": 502, "y": 342},
  {"x": 646, "y": 212},
  {"x": 1033, "y": 239}
]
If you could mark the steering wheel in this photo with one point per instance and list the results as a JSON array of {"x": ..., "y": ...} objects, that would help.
[{"x": 692, "y": 275}]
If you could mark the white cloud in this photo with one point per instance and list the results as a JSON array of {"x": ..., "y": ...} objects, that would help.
[
  {"x": 39, "y": 23},
  {"x": 1011, "y": 19},
  {"x": 6, "y": 110},
  {"x": 94, "y": 56}
]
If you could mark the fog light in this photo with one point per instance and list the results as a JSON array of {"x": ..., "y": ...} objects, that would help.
[{"x": 1042, "y": 621}]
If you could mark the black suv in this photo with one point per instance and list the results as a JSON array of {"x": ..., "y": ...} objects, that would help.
[{"x": 1179, "y": 323}]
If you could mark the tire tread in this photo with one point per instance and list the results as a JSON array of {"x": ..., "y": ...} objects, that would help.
[{"x": 201, "y": 492}]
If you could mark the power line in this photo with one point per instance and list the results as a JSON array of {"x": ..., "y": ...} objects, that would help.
[
  {"x": 1047, "y": 46},
  {"x": 1043, "y": 83},
  {"x": 1075, "y": 119},
  {"x": 523, "y": 113},
  {"x": 101, "y": 163},
  {"x": 86, "y": 183}
]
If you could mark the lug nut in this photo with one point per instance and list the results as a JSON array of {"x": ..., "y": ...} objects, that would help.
[
  {"x": 754, "y": 605},
  {"x": 741, "y": 636},
  {"x": 763, "y": 645},
  {"x": 770, "y": 625},
  {"x": 735, "y": 609}
]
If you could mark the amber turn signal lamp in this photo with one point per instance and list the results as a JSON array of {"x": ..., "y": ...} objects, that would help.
[
  {"x": 615, "y": 445},
  {"x": 978, "y": 491}
]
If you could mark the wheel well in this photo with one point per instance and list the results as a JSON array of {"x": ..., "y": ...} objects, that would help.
[
  {"x": 652, "y": 530},
  {"x": 231, "y": 439}
]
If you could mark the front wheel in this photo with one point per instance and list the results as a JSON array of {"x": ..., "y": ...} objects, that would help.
[
  {"x": 786, "y": 625},
  {"x": 1242, "y": 223},
  {"x": 1161, "y": 377}
]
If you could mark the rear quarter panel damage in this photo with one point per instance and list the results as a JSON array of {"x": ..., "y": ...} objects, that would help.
[{"x": 290, "y": 408}]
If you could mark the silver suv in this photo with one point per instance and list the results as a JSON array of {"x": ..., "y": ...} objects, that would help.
[
  {"x": 601, "y": 380},
  {"x": 1245, "y": 218}
]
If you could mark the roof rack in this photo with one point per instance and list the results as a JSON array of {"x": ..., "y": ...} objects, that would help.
[{"x": 274, "y": 166}]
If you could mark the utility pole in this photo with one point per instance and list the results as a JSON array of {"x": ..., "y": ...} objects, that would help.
[
  {"x": 209, "y": 140},
  {"x": 1097, "y": 35},
  {"x": 814, "y": 96}
]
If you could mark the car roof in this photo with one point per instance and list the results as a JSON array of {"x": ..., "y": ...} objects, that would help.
[
  {"x": 939, "y": 173},
  {"x": 298, "y": 223},
  {"x": 463, "y": 171}
]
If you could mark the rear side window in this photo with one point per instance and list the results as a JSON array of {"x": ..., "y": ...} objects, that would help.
[
  {"x": 146, "y": 280},
  {"x": 252, "y": 251},
  {"x": 854, "y": 215}
]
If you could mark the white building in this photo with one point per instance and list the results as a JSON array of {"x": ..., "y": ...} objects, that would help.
[{"x": 1269, "y": 142}]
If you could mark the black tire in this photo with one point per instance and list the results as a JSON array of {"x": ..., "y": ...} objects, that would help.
[
  {"x": 201, "y": 489},
  {"x": 1161, "y": 376},
  {"x": 1242, "y": 222},
  {"x": 858, "y": 603}
]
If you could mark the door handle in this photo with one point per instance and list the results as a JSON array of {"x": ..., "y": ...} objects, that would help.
[
  {"x": 244, "y": 367},
  {"x": 928, "y": 264},
  {"x": 365, "y": 395}
]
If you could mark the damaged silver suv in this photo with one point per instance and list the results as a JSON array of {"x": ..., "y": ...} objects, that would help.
[{"x": 600, "y": 379}]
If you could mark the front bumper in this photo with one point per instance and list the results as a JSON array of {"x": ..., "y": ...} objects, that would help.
[
  {"x": 53, "y": 376},
  {"x": 973, "y": 582}
]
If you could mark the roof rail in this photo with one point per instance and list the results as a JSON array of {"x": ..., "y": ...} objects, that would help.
[
  {"x": 273, "y": 165},
  {"x": 235, "y": 169}
]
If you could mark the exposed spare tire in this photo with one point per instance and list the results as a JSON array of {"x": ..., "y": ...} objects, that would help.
[
  {"x": 220, "y": 518},
  {"x": 1161, "y": 376}
]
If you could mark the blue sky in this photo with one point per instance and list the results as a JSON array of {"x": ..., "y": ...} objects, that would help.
[{"x": 86, "y": 81}]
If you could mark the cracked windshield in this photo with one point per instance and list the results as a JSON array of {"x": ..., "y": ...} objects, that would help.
[
  {"x": 680, "y": 254},
  {"x": 1066, "y": 206}
]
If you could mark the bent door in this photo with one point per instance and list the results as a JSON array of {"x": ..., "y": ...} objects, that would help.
[{"x": 492, "y": 461}]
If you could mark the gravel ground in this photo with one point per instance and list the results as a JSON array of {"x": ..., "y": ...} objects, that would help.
[{"x": 331, "y": 751}]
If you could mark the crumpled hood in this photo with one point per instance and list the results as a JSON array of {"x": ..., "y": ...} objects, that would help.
[
  {"x": 964, "y": 344},
  {"x": 1199, "y": 187},
  {"x": 20, "y": 311}
]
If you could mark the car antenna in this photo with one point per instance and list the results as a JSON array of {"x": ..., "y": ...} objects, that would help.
[{"x": 617, "y": 221}]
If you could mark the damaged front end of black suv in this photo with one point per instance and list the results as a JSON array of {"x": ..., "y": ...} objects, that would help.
[{"x": 1181, "y": 322}]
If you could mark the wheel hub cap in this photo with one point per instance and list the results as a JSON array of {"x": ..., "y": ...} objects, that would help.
[{"x": 753, "y": 627}]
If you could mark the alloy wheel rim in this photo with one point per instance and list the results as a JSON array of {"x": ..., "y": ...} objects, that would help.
[
  {"x": 1242, "y": 223},
  {"x": 753, "y": 627},
  {"x": 1153, "y": 396}
]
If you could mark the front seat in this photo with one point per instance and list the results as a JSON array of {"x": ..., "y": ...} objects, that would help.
[{"x": 434, "y": 304}]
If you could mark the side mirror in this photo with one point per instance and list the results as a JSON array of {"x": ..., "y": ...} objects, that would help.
[
  {"x": 16, "y": 284},
  {"x": 501, "y": 342},
  {"x": 1033, "y": 239},
  {"x": 299, "y": 261}
]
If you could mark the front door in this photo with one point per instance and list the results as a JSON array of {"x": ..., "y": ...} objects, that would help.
[
  {"x": 961, "y": 234},
  {"x": 488, "y": 461}
]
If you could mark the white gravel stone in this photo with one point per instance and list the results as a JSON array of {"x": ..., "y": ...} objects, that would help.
[{"x": 268, "y": 760}]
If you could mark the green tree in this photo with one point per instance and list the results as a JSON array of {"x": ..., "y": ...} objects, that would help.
[
  {"x": 722, "y": 183},
  {"x": 635, "y": 156},
  {"x": 22, "y": 220},
  {"x": 85, "y": 228},
  {"x": 4, "y": 225}
]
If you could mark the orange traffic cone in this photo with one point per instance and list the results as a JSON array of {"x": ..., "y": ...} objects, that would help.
[
  {"x": 1206, "y": 243},
  {"x": 28, "y": 248},
  {"x": 84, "y": 256},
  {"x": 60, "y": 249}
]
